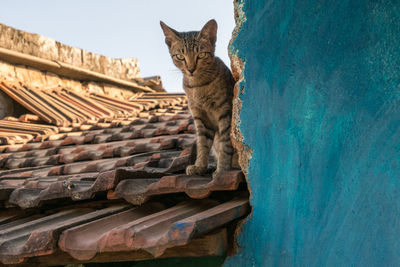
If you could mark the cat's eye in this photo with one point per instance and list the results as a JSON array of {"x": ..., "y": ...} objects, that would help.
[
  {"x": 180, "y": 57},
  {"x": 201, "y": 55}
]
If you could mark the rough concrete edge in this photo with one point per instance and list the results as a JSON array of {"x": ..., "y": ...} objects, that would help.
[{"x": 244, "y": 151}]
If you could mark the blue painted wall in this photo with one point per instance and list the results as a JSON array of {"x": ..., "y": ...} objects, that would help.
[{"x": 321, "y": 113}]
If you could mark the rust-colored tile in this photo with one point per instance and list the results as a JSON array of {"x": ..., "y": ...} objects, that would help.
[
  {"x": 213, "y": 244},
  {"x": 66, "y": 108},
  {"x": 138, "y": 191},
  {"x": 36, "y": 236},
  {"x": 146, "y": 228},
  {"x": 77, "y": 189}
]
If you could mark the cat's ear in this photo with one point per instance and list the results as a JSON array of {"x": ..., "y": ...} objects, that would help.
[
  {"x": 170, "y": 34},
  {"x": 209, "y": 31}
]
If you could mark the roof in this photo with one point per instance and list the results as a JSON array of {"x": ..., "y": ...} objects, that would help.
[
  {"x": 85, "y": 233},
  {"x": 88, "y": 177}
]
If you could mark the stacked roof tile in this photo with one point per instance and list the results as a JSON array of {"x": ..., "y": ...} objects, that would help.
[
  {"x": 63, "y": 107},
  {"x": 88, "y": 178},
  {"x": 68, "y": 111},
  {"x": 89, "y": 232}
]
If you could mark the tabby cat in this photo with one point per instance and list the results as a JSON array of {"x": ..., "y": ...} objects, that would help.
[{"x": 208, "y": 84}]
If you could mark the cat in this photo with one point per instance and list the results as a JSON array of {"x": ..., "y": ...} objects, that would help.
[{"x": 208, "y": 84}]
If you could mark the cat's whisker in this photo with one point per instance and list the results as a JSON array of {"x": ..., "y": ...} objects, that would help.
[
  {"x": 176, "y": 74},
  {"x": 175, "y": 71}
]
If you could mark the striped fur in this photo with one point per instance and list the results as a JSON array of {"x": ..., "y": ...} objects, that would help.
[{"x": 208, "y": 83}]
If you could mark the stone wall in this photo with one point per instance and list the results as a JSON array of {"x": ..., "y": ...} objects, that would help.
[{"x": 47, "y": 48}]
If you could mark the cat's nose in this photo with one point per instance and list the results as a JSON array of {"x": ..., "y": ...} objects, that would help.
[{"x": 191, "y": 70}]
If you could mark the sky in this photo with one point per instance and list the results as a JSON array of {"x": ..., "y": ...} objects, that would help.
[{"x": 122, "y": 28}]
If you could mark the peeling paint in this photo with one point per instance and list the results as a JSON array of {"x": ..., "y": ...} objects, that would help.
[
  {"x": 244, "y": 152},
  {"x": 238, "y": 66}
]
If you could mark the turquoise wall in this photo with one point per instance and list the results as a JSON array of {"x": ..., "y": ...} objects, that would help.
[{"x": 321, "y": 114}]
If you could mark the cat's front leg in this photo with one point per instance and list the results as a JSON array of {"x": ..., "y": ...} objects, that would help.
[
  {"x": 204, "y": 143},
  {"x": 225, "y": 148}
]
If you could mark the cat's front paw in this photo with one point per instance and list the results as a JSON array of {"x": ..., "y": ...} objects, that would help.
[
  {"x": 195, "y": 170},
  {"x": 218, "y": 173}
]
